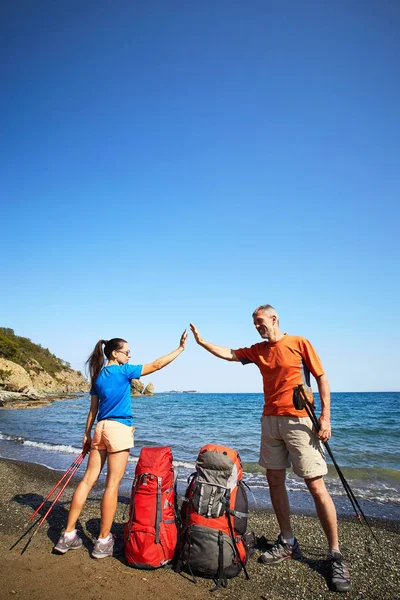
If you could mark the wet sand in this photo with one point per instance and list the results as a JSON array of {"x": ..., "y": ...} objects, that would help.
[{"x": 38, "y": 573}]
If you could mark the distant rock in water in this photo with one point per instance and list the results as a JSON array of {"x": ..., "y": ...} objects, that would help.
[
  {"x": 149, "y": 390},
  {"x": 137, "y": 387},
  {"x": 182, "y": 392}
]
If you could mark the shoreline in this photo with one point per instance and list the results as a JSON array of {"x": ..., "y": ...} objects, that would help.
[
  {"x": 23, "y": 400},
  {"x": 375, "y": 569},
  {"x": 259, "y": 499}
]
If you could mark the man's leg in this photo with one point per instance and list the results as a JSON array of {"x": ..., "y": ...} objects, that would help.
[
  {"x": 326, "y": 510},
  {"x": 280, "y": 501},
  {"x": 286, "y": 546},
  {"x": 340, "y": 576}
]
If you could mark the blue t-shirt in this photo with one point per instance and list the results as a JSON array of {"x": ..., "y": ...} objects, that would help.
[{"x": 113, "y": 387}]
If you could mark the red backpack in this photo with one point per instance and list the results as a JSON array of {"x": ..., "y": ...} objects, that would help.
[
  {"x": 151, "y": 533},
  {"x": 213, "y": 541}
]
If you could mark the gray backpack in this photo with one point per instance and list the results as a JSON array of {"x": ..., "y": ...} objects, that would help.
[{"x": 213, "y": 541}]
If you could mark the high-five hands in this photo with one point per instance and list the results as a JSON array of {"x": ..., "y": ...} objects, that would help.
[
  {"x": 196, "y": 333},
  {"x": 182, "y": 342}
]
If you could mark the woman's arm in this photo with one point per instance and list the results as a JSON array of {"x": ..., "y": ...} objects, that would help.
[
  {"x": 94, "y": 407},
  {"x": 163, "y": 361}
]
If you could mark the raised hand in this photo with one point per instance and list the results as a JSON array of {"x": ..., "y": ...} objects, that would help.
[
  {"x": 196, "y": 333},
  {"x": 183, "y": 339}
]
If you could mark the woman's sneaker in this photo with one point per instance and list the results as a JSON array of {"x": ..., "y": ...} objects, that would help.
[
  {"x": 340, "y": 575},
  {"x": 67, "y": 542},
  {"x": 103, "y": 549},
  {"x": 281, "y": 551}
]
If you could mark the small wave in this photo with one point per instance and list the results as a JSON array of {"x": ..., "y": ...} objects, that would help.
[
  {"x": 184, "y": 465},
  {"x": 253, "y": 467},
  {"x": 53, "y": 447},
  {"x": 12, "y": 438},
  {"x": 176, "y": 463}
]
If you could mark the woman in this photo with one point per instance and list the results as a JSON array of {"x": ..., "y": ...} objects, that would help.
[{"x": 113, "y": 436}]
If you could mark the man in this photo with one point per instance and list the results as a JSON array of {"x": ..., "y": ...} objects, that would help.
[{"x": 287, "y": 437}]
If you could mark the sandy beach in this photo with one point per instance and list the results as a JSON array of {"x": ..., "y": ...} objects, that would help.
[{"x": 38, "y": 573}]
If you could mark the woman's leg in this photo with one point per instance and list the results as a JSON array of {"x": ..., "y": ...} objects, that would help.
[
  {"x": 94, "y": 466},
  {"x": 115, "y": 471}
]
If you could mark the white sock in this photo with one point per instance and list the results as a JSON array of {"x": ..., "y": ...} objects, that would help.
[
  {"x": 288, "y": 540},
  {"x": 70, "y": 534},
  {"x": 104, "y": 540}
]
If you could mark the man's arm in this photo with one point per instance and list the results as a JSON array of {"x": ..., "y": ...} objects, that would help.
[
  {"x": 219, "y": 351},
  {"x": 325, "y": 432},
  {"x": 163, "y": 361}
]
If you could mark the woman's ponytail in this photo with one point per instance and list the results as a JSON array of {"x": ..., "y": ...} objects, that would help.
[{"x": 95, "y": 362}]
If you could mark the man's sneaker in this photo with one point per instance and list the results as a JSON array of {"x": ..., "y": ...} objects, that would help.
[
  {"x": 281, "y": 551},
  {"x": 103, "y": 549},
  {"x": 65, "y": 543},
  {"x": 340, "y": 576}
]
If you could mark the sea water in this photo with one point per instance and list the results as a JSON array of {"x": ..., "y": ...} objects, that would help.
[{"x": 365, "y": 441}]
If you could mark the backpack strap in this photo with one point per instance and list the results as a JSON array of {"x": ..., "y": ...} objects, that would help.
[
  {"x": 184, "y": 527},
  {"x": 178, "y": 519},
  {"x": 236, "y": 513},
  {"x": 178, "y": 559},
  {"x": 132, "y": 505},
  {"x": 158, "y": 510},
  {"x": 220, "y": 580},
  {"x": 235, "y": 545}
]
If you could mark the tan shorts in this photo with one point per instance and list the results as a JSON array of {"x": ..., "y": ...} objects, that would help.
[
  {"x": 287, "y": 441},
  {"x": 112, "y": 436}
]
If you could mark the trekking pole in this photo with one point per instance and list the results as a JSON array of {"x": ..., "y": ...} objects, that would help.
[
  {"x": 313, "y": 417},
  {"x": 77, "y": 461},
  {"x": 300, "y": 401},
  {"x": 71, "y": 474},
  {"x": 303, "y": 402},
  {"x": 42, "y": 520}
]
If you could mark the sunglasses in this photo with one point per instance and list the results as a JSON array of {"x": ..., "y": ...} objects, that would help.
[{"x": 127, "y": 353}]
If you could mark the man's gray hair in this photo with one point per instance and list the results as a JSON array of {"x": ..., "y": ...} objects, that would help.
[{"x": 266, "y": 308}]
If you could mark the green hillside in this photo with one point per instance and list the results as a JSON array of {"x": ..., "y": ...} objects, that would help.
[{"x": 20, "y": 350}]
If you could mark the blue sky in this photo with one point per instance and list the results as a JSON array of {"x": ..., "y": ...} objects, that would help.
[{"x": 163, "y": 162}]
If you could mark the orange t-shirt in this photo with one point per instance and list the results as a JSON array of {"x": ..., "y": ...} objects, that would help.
[{"x": 284, "y": 365}]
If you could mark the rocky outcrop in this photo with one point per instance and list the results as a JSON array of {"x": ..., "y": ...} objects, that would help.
[
  {"x": 149, "y": 390},
  {"x": 34, "y": 383},
  {"x": 13, "y": 377},
  {"x": 65, "y": 380},
  {"x": 29, "y": 399},
  {"x": 137, "y": 387}
]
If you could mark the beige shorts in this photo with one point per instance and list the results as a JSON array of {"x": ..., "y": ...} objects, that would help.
[
  {"x": 112, "y": 436},
  {"x": 287, "y": 441}
]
